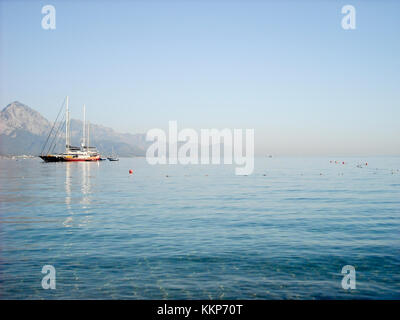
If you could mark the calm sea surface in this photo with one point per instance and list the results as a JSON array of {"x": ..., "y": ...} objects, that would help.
[{"x": 284, "y": 232}]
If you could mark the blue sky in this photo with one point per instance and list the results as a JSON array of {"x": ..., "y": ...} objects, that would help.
[{"x": 285, "y": 68}]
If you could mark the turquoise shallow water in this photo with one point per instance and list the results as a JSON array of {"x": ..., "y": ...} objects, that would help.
[{"x": 284, "y": 232}]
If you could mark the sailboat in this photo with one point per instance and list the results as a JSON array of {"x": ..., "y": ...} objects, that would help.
[
  {"x": 72, "y": 153},
  {"x": 113, "y": 157}
]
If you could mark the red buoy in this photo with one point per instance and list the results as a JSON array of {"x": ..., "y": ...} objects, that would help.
[
  {"x": 366, "y": 163},
  {"x": 343, "y": 162},
  {"x": 130, "y": 171}
]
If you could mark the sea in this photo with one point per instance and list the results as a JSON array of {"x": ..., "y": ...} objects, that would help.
[{"x": 200, "y": 231}]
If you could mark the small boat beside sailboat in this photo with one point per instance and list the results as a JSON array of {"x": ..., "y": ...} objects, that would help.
[{"x": 113, "y": 156}]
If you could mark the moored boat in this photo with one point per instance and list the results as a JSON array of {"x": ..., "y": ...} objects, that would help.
[
  {"x": 83, "y": 153},
  {"x": 113, "y": 157}
]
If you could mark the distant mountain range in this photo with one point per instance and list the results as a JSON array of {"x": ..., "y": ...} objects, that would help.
[{"x": 24, "y": 131}]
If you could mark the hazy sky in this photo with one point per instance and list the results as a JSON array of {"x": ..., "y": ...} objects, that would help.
[{"x": 286, "y": 69}]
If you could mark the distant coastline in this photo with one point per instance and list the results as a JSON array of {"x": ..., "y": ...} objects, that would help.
[
  {"x": 23, "y": 131},
  {"x": 28, "y": 156}
]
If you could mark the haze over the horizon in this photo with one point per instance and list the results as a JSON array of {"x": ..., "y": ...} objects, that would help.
[{"x": 284, "y": 68}]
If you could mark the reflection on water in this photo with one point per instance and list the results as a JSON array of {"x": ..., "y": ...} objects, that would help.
[
  {"x": 82, "y": 180},
  {"x": 68, "y": 191},
  {"x": 86, "y": 183},
  {"x": 284, "y": 232}
]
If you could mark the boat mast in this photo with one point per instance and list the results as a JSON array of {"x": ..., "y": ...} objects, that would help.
[
  {"x": 67, "y": 125},
  {"x": 84, "y": 127},
  {"x": 88, "y": 136}
]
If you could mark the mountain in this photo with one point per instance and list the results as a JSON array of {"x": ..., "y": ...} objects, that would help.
[{"x": 24, "y": 131}]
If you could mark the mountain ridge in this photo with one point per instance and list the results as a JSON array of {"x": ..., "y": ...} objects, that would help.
[{"x": 23, "y": 131}]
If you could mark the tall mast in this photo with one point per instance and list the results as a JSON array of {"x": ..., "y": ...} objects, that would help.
[
  {"x": 84, "y": 127},
  {"x": 88, "y": 135},
  {"x": 67, "y": 125}
]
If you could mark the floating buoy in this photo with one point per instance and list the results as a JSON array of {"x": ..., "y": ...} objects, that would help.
[
  {"x": 130, "y": 171},
  {"x": 366, "y": 163},
  {"x": 343, "y": 162}
]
